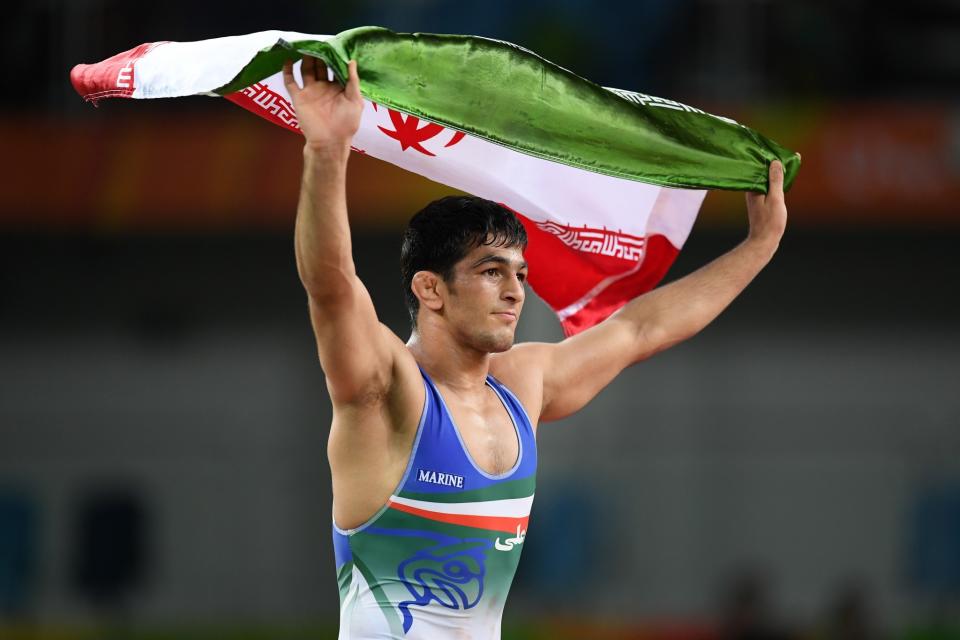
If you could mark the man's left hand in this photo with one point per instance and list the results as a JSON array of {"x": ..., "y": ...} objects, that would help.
[{"x": 768, "y": 213}]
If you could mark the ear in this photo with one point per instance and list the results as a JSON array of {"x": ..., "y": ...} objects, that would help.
[{"x": 427, "y": 287}]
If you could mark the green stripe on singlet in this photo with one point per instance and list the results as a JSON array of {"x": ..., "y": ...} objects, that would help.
[
  {"x": 522, "y": 488},
  {"x": 396, "y": 628},
  {"x": 344, "y": 578}
]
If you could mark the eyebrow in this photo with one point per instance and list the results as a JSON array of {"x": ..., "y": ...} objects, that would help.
[{"x": 498, "y": 259}]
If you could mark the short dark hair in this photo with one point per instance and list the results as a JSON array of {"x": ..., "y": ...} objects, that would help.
[{"x": 446, "y": 230}]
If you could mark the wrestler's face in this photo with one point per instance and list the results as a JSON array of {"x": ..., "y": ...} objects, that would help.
[{"x": 485, "y": 296}]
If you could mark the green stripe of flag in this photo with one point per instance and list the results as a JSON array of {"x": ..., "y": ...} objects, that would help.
[{"x": 513, "y": 97}]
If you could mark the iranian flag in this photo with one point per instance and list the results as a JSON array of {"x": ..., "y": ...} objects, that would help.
[{"x": 607, "y": 182}]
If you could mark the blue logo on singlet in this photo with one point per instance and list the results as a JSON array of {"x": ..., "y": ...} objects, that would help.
[{"x": 449, "y": 573}]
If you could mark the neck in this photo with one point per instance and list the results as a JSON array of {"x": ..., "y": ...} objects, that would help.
[{"x": 447, "y": 361}]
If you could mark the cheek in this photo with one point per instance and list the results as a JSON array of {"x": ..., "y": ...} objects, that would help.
[
  {"x": 476, "y": 290},
  {"x": 468, "y": 299}
]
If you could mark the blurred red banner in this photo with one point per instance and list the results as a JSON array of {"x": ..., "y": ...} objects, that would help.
[
  {"x": 197, "y": 173},
  {"x": 863, "y": 165}
]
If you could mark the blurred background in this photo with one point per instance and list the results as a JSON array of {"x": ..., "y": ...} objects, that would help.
[{"x": 792, "y": 472}]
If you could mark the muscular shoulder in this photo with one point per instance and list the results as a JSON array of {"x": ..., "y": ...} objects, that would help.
[
  {"x": 521, "y": 370},
  {"x": 393, "y": 404}
]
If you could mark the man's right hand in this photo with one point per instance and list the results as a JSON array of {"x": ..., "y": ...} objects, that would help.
[{"x": 329, "y": 114}]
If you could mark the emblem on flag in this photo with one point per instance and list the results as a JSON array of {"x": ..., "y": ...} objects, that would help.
[{"x": 409, "y": 134}]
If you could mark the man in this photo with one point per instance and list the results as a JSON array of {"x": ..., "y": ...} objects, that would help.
[{"x": 432, "y": 447}]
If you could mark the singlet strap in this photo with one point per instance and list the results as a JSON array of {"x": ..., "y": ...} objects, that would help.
[{"x": 520, "y": 415}]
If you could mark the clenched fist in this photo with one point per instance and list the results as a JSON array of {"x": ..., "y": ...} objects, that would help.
[
  {"x": 768, "y": 213},
  {"x": 329, "y": 114}
]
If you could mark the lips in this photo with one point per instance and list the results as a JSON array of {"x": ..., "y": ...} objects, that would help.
[{"x": 509, "y": 315}]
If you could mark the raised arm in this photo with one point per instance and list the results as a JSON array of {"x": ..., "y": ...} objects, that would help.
[
  {"x": 575, "y": 370},
  {"x": 356, "y": 351}
]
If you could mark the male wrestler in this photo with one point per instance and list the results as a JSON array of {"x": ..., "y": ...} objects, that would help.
[{"x": 432, "y": 448}]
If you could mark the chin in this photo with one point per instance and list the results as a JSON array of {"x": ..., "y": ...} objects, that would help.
[{"x": 494, "y": 342}]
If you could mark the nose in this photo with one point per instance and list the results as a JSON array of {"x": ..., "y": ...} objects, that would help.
[{"x": 514, "y": 290}]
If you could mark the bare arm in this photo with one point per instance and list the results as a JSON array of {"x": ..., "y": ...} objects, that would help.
[
  {"x": 356, "y": 351},
  {"x": 575, "y": 370}
]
